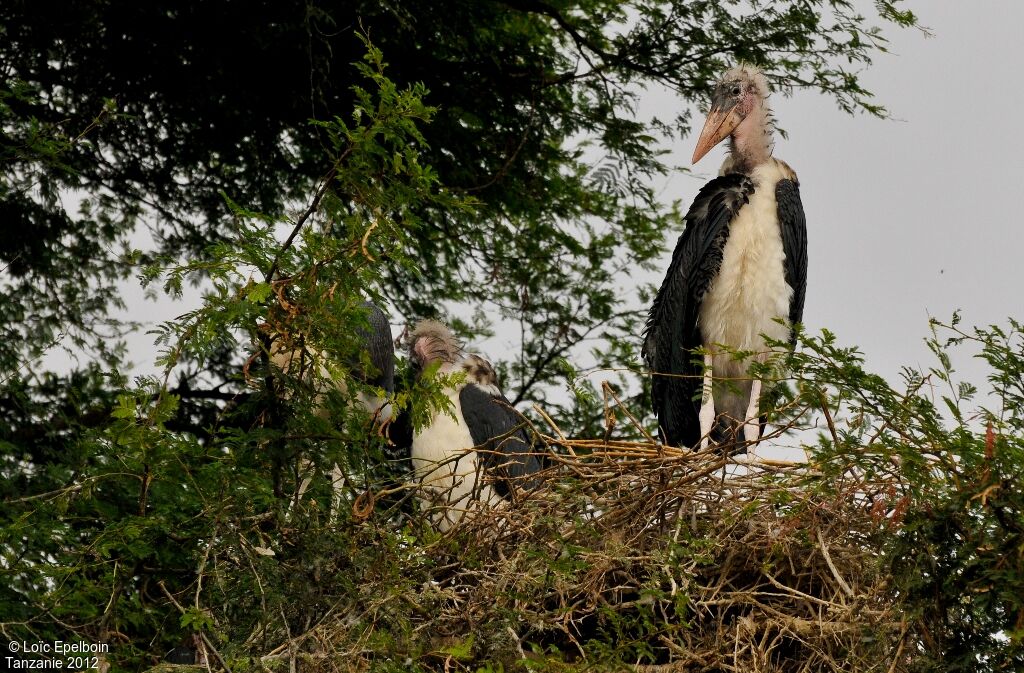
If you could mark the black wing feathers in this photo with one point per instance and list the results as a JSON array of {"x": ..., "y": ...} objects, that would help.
[
  {"x": 506, "y": 454},
  {"x": 793, "y": 224},
  {"x": 672, "y": 331},
  {"x": 381, "y": 348}
]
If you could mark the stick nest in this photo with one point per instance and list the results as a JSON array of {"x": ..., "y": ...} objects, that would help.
[{"x": 633, "y": 555}]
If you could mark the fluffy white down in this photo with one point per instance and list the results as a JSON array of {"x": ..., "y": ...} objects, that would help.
[
  {"x": 448, "y": 469},
  {"x": 750, "y": 291}
]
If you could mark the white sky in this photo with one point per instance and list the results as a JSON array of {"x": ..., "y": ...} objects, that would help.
[{"x": 921, "y": 216}]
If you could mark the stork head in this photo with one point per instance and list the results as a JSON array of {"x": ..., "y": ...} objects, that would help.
[
  {"x": 432, "y": 342},
  {"x": 738, "y": 97}
]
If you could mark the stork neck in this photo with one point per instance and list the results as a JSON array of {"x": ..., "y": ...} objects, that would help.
[{"x": 752, "y": 142}]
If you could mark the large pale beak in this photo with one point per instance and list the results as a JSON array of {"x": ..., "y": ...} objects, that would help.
[{"x": 720, "y": 123}]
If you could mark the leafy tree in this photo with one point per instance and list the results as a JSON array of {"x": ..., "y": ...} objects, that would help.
[
  {"x": 156, "y": 110},
  {"x": 145, "y": 514},
  {"x": 139, "y": 508}
]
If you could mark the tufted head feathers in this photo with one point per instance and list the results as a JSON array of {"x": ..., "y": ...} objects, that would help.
[
  {"x": 479, "y": 371},
  {"x": 432, "y": 341}
]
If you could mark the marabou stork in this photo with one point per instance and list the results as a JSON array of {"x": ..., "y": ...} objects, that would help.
[
  {"x": 376, "y": 345},
  {"x": 739, "y": 266},
  {"x": 473, "y": 455},
  {"x": 377, "y": 348}
]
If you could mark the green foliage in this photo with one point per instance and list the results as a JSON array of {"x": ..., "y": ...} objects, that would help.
[
  {"x": 140, "y": 515},
  {"x": 157, "y": 535},
  {"x": 56, "y": 269},
  {"x": 944, "y": 478},
  {"x": 137, "y": 519}
]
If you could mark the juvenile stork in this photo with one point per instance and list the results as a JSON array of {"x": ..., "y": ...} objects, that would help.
[
  {"x": 376, "y": 348},
  {"x": 474, "y": 455},
  {"x": 373, "y": 365},
  {"x": 739, "y": 266}
]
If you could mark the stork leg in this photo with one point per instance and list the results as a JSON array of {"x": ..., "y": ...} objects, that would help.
[
  {"x": 752, "y": 424},
  {"x": 337, "y": 488},
  {"x": 707, "y": 405},
  {"x": 306, "y": 473},
  {"x": 306, "y": 470}
]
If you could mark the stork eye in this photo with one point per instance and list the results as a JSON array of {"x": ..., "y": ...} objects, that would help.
[{"x": 736, "y": 90}]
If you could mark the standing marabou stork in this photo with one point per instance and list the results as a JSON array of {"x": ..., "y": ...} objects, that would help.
[
  {"x": 474, "y": 455},
  {"x": 739, "y": 266}
]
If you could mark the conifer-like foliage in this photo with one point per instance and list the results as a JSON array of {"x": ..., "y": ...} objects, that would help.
[{"x": 493, "y": 165}]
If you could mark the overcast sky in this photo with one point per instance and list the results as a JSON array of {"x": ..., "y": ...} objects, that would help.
[{"x": 922, "y": 215}]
